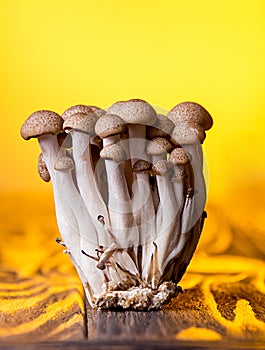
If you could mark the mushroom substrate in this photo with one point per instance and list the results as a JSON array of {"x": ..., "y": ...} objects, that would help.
[{"x": 131, "y": 236}]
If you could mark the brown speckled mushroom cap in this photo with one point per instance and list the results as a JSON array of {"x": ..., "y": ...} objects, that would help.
[
  {"x": 161, "y": 168},
  {"x": 162, "y": 128},
  {"x": 158, "y": 146},
  {"x": 191, "y": 112},
  {"x": 178, "y": 157},
  {"x": 141, "y": 166},
  {"x": 81, "y": 109},
  {"x": 134, "y": 111},
  {"x": 187, "y": 134},
  {"x": 64, "y": 164},
  {"x": 84, "y": 122},
  {"x": 98, "y": 111},
  {"x": 42, "y": 169},
  {"x": 110, "y": 124},
  {"x": 41, "y": 123},
  {"x": 113, "y": 152}
]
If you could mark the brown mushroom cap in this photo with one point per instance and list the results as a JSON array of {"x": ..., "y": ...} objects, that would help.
[
  {"x": 64, "y": 164},
  {"x": 113, "y": 152},
  {"x": 82, "y": 122},
  {"x": 187, "y": 134},
  {"x": 191, "y": 112},
  {"x": 162, "y": 128},
  {"x": 110, "y": 124},
  {"x": 134, "y": 111},
  {"x": 161, "y": 167},
  {"x": 141, "y": 166},
  {"x": 179, "y": 157},
  {"x": 78, "y": 109},
  {"x": 98, "y": 111},
  {"x": 41, "y": 123},
  {"x": 158, "y": 146},
  {"x": 42, "y": 169}
]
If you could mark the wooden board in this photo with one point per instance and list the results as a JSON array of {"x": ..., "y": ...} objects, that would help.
[{"x": 41, "y": 298}]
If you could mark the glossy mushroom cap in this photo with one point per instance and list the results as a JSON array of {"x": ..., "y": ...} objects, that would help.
[
  {"x": 134, "y": 111},
  {"x": 82, "y": 109},
  {"x": 141, "y": 166},
  {"x": 187, "y": 134},
  {"x": 64, "y": 164},
  {"x": 113, "y": 152},
  {"x": 161, "y": 168},
  {"x": 41, "y": 123},
  {"x": 110, "y": 124},
  {"x": 42, "y": 169},
  {"x": 84, "y": 122},
  {"x": 191, "y": 112},
  {"x": 158, "y": 146},
  {"x": 162, "y": 128},
  {"x": 178, "y": 157}
]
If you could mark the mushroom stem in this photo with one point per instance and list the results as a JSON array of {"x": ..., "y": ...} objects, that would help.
[
  {"x": 137, "y": 140},
  {"x": 166, "y": 240},
  {"x": 70, "y": 212},
  {"x": 87, "y": 184},
  {"x": 119, "y": 204},
  {"x": 144, "y": 214},
  {"x": 157, "y": 192},
  {"x": 196, "y": 161},
  {"x": 192, "y": 212},
  {"x": 186, "y": 249},
  {"x": 76, "y": 227}
]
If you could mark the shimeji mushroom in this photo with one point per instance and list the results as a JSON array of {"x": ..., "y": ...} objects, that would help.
[
  {"x": 191, "y": 120},
  {"x": 129, "y": 253},
  {"x": 46, "y": 125},
  {"x": 109, "y": 127},
  {"x": 82, "y": 128},
  {"x": 137, "y": 114},
  {"x": 42, "y": 169},
  {"x": 79, "y": 232},
  {"x": 144, "y": 214},
  {"x": 194, "y": 113},
  {"x": 165, "y": 240},
  {"x": 158, "y": 149}
]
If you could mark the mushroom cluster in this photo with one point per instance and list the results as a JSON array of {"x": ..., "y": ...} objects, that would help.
[{"x": 129, "y": 195}]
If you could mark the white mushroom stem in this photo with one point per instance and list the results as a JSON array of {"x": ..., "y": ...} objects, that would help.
[
  {"x": 187, "y": 249},
  {"x": 120, "y": 210},
  {"x": 87, "y": 183},
  {"x": 179, "y": 237},
  {"x": 156, "y": 195},
  {"x": 190, "y": 222},
  {"x": 142, "y": 202},
  {"x": 70, "y": 212},
  {"x": 192, "y": 211},
  {"x": 199, "y": 198},
  {"x": 137, "y": 140},
  {"x": 166, "y": 239},
  {"x": 144, "y": 213},
  {"x": 81, "y": 233}
]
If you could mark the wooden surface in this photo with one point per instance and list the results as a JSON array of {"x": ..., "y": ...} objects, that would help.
[{"x": 41, "y": 298}]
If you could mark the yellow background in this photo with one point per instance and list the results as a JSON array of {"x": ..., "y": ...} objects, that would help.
[
  {"x": 58, "y": 53},
  {"x": 55, "y": 54}
]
